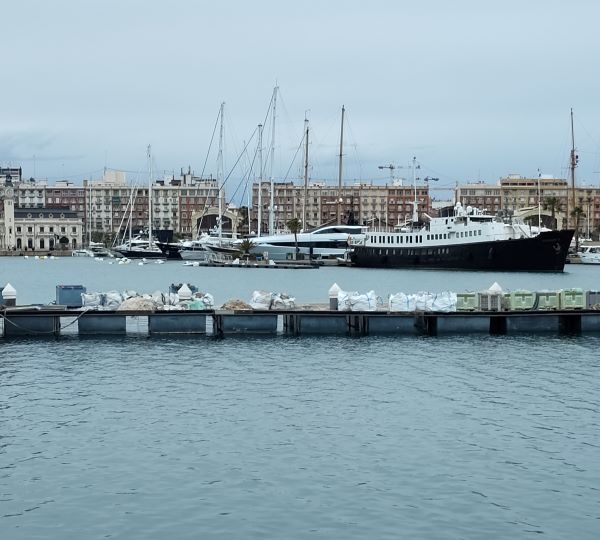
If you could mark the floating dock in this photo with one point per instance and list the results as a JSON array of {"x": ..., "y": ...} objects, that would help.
[
  {"x": 42, "y": 322},
  {"x": 229, "y": 264}
]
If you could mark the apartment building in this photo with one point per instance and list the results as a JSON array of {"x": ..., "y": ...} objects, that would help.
[
  {"x": 359, "y": 203},
  {"x": 519, "y": 194}
]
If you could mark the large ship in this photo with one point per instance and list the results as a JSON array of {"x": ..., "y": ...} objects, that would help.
[{"x": 469, "y": 240}]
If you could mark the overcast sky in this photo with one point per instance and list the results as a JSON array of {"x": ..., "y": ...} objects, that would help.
[{"x": 474, "y": 89}]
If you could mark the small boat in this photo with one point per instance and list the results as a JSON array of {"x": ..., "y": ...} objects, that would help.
[
  {"x": 589, "y": 254},
  {"x": 98, "y": 249},
  {"x": 137, "y": 248},
  {"x": 82, "y": 253}
]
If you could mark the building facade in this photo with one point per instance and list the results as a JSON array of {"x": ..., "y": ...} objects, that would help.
[
  {"x": 359, "y": 203},
  {"x": 47, "y": 229},
  {"x": 519, "y": 195}
]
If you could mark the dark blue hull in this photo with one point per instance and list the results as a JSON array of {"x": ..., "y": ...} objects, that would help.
[{"x": 546, "y": 252}]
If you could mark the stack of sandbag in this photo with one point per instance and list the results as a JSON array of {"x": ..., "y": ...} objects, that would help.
[
  {"x": 263, "y": 300},
  {"x": 91, "y": 300},
  {"x": 354, "y": 301},
  {"x": 282, "y": 301},
  {"x": 444, "y": 301},
  {"x": 235, "y": 304},
  {"x": 199, "y": 301},
  {"x": 112, "y": 300},
  {"x": 422, "y": 301},
  {"x": 401, "y": 302},
  {"x": 159, "y": 300},
  {"x": 137, "y": 303}
]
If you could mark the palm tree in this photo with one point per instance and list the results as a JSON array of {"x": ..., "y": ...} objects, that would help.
[
  {"x": 295, "y": 226},
  {"x": 245, "y": 247},
  {"x": 577, "y": 214},
  {"x": 552, "y": 204}
]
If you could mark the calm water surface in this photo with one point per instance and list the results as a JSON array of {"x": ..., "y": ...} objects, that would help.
[
  {"x": 300, "y": 438},
  {"x": 36, "y": 280}
]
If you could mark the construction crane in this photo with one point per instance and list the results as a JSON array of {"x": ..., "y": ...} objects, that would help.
[{"x": 391, "y": 168}]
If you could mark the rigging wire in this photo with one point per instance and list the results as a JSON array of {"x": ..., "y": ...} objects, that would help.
[{"x": 212, "y": 138}]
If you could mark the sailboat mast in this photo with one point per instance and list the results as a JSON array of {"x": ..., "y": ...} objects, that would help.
[
  {"x": 539, "y": 201},
  {"x": 271, "y": 207},
  {"x": 220, "y": 172},
  {"x": 415, "y": 216},
  {"x": 573, "y": 165},
  {"x": 89, "y": 222},
  {"x": 305, "y": 198},
  {"x": 339, "y": 197},
  {"x": 149, "y": 197},
  {"x": 260, "y": 172}
]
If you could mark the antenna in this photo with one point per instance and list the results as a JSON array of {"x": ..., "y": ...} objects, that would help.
[{"x": 574, "y": 161}]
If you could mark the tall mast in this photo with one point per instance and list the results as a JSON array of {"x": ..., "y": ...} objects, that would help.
[
  {"x": 89, "y": 210},
  {"x": 574, "y": 159},
  {"x": 220, "y": 172},
  {"x": 339, "y": 197},
  {"x": 271, "y": 207},
  {"x": 260, "y": 173},
  {"x": 415, "y": 217},
  {"x": 149, "y": 197},
  {"x": 305, "y": 197},
  {"x": 539, "y": 201}
]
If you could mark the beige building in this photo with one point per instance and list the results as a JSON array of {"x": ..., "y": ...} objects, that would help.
[
  {"x": 519, "y": 194},
  {"x": 109, "y": 204},
  {"x": 359, "y": 203},
  {"x": 37, "y": 229},
  {"x": 46, "y": 229}
]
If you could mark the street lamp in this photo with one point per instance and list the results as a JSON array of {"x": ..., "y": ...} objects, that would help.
[
  {"x": 589, "y": 201},
  {"x": 429, "y": 179}
]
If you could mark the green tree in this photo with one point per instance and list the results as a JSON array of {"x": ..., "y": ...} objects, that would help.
[
  {"x": 295, "y": 226},
  {"x": 577, "y": 214},
  {"x": 245, "y": 246},
  {"x": 552, "y": 204}
]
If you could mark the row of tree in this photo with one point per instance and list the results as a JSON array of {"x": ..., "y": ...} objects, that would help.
[{"x": 554, "y": 205}]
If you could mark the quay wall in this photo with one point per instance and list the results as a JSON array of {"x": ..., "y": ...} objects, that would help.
[{"x": 50, "y": 323}]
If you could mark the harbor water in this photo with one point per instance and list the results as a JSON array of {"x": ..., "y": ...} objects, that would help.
[
  {"x": 448, "y": 437},
  {"x": 35, "y": 279}
]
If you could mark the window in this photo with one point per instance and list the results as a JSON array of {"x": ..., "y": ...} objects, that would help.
[{"x": 29, "y": 229}]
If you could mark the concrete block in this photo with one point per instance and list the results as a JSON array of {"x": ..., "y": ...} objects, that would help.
[
  {"x": 31, "y": 325},
  {"x": 92, "y": 324},
  {"x": 251, "y": 323},
  {"x": 392, "y": 324},
  {"x": 323, "y": 324},
  {"x": 473, "y": 324},
  {"x": 177, "y": 323},
  {"x": 532, "y": 324},
  {"x": 590, "y": 323}
]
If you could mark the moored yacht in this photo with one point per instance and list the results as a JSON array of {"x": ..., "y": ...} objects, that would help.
[
  {"x": 470, "y": 240},
  {"x": 139, "y": 248},
  {"x": 589, "y": 254},
  {"x": 328, "y": 242}
]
